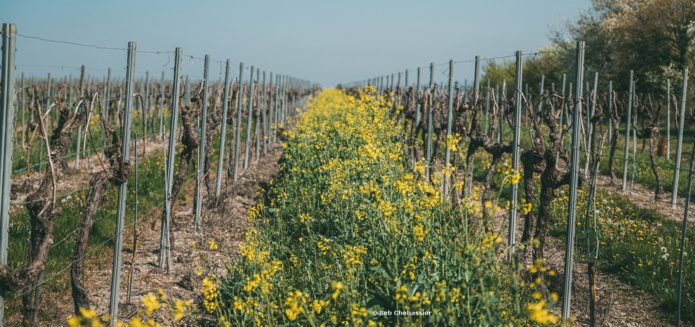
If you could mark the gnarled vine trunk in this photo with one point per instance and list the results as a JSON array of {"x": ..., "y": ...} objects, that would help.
[
  {"x": 190, "y": 142},
  {"x": 42, "y": 209},
  {"x": 118, "y": 173}
]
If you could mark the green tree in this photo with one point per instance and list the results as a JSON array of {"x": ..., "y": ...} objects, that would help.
[
  {"x": 546, "y": 62},
  {"x": 497, "y": 73},
  {"x": 655, "y": 38}
]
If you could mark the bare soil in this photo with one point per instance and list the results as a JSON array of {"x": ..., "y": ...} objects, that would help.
[
  {"x": 224, "y": 222},
  {"x": 619, "y": 304},
  {"x": 643, "y": 196}
]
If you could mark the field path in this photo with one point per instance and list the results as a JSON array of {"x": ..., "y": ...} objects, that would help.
[
  {"x": 643, "y": 196},
  {"x": 226, "y": 224},
  {"x": 620, "y": 304}
]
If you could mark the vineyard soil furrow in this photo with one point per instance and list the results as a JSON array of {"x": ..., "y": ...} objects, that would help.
[
  {"x": 621, "y": 304},
  {"x": 225, "y": 225},
  {"x": 642, "y": 195}
]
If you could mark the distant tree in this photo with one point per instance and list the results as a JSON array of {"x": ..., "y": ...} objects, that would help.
[
  {"x": 669, "y": 24},
  {"x": 498, "y": 72},
  {"x": 546, "y": 62},
  {"x": 655, "y": 38}
]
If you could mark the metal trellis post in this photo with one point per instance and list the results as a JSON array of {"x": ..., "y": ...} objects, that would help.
[
  {"x": 249, "y": 121},
  {"x": 7, "y": 116},
  {"x": 574, "y": 185},
  {"x": 590, "y": 125},
  {"x": 263, "y": 108},
  {"x": 164, "y": 242},
  {"x": 683, "y": 234},
  {"x": 21, "y": 109},
  {"x": 610, "y": 109},
  {"x": 257, "y": 126},
  {"x": 272, "y": 94},
  {"x": 668, "y": 119},
  {"x": 161, "y": 108},
  {"x": 515, "y": 153},
  {"x": 488, "y": 92},
  {"x": 223, "y": 132},
  {"x": 237, "y": 132},
  {"x": 449, "y": 121},
  {"x": 144, "y": 105},
  {"x": 627, "y": 130},
  {"x": 679, "y": 148},
  {"x": 562, "y": 114},
  {"x": 476, "y": 95},
  {"x": 428, "y": 152},
  {"x": 201, "y": 147},
  {"x": 135, "y": 222},
  {"x": 122, "y": 188},
  {"x": 418, "y": 109}
]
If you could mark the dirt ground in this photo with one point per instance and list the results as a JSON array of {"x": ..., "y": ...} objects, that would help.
[
  {"x": 224, "y": 223},
  {"x": 643, "y": 196},
  {"x": 619, "y": 304}
]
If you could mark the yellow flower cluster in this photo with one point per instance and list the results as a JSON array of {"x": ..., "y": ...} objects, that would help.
[
  {"x": 303, "y": 218},
  {"x": 386, "y": 208},
  {"x": 452, "y": 141},
  {"x": 420, "y": 166},
  {"x": 349, "y": 220},
  {"x": 514, "y": 177},
  {"x": 88, "y": 317},
  {"x": 337, "y": 287},
  {"x": 318, "y": 305},
  {"x": 526, "y": 207},
  {"x": 152, "y": 303},
  {"x": 539, "y": 313},
  {"x": 210, "y": 293},
  {"x": 419, "y": 232},
  {"x": 180, "y": 309},
  {"x": 352, "y": 255},
  {"x": 401, "y": 294},
  {"x": 358, "y": 313},
  {"x": 369, "y": 150},
  {"x": 213, "y": 245},
  {"x": 254, "y": 212},
  {"x": 491, "y": 239},
  {"x": 323, "y": 246},
  {"x": 294, "y": 304}
]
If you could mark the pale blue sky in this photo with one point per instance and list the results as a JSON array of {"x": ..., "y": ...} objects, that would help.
[{"x": 323, "y": 41}]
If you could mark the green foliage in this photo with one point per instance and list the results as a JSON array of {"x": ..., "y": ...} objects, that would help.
[
  {"x": 639, "y": 245},
  {"x": 347, "y": 230},
  {"x": 151, "y": 182},
  {"x": 654, "y": 38},
  {"x": 498, "y": 73},
  {"x": 544, "y": 63}
]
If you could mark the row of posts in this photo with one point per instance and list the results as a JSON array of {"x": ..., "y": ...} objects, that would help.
[
  {"x": 382, "y": 84},
  {"x": 277, "y": 114},
  {"x": 385, "y": 84}
]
